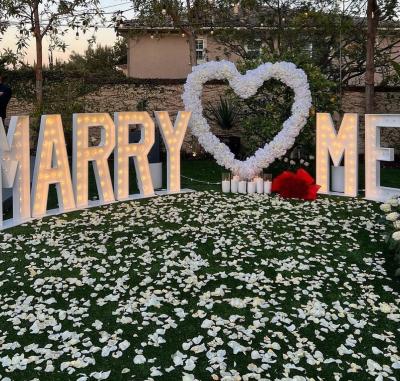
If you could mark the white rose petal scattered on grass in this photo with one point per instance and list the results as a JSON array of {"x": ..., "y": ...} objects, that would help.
[{"x": 201, "y": 286}]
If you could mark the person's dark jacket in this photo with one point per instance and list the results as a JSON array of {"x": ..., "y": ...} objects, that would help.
[{"x": 5, "y": 96}]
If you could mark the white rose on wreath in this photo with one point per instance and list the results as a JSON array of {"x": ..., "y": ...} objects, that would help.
[
  {"x": 396, "y": 236},
  {"x": 396, "y": 225},
  {"x": 246, "y": 86},
  {"x": 386, "y": 208},
  {"x": 393, "y": 202},
  {"x": 392, "y": 216}
]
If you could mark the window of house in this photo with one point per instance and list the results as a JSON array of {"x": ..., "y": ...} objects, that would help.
[
  {"x": 309, "y": 49},
  {"x": 200, "y": 50},
  {"x": 253, "y": 49}
]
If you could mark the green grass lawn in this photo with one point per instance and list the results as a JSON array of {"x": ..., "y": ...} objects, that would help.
[
  {"x": 217, "y": 287},
  {"x": 207, "y": 171}
]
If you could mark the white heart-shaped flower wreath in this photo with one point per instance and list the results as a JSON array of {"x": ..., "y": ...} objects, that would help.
[{"x": 245, "y": 86}]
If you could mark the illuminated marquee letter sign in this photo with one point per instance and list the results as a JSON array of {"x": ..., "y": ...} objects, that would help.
[
  {"x": 51, "y": 167},
  {"x": 336, "y": 146},
  {"x": 15, "y": 167},
  {"x": 173, "y": 139},
  {"x": 139, "y": 151},
  {"x": 52, "y": 163},
  {"x": 374, "y": 154},
  {"x": 83, "y": 154}
]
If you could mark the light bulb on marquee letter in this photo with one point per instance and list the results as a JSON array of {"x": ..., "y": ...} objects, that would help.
[
  {"x": 335, "y": 145},
  {"x": 15, "y": 167},
  {"x": 173, "y": 138},
  {"x": 83, "y": 154},
  {"x": 51, "y": 167},
  {"x": 374, "y": 153},
  {"x": 139, "y": 151}
]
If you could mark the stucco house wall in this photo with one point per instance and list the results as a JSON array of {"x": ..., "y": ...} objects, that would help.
[
  {"x": 217, "y": 52},
  {"x": 166, "y": 56}
]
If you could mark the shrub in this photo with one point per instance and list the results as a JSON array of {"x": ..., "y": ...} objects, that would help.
[
  {"x": 142, "y": 104},
  {"x": 224, "y": 113},
  {"x": 64, "y": 99}
]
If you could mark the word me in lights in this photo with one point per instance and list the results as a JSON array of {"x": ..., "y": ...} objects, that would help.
[
  {"x": 52, "y": 166},
  {"x": 344, "y": 145}
]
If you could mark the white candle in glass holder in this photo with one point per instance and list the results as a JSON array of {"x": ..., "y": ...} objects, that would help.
[
  {"x": 242, "y": 186},
  {"x": 235, "y": 184},
  {"x": 259, "y": 185},
  {"x": 226, "y": 186},
  {"x": 251, "y": 187},
  {"x": 267, "y": 186},
  {"x": 226, "y": 182}
]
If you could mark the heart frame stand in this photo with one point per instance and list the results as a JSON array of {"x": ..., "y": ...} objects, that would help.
[{"x": 246, "y": 86}]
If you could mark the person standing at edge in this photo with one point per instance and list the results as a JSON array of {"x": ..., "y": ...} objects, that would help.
[{"x": 5, "y": 96}]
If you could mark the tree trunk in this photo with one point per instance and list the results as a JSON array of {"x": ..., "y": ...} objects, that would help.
[
  {"x": 192, "y": 47},
  {"x": 372, "y": 19},
  {"x": 191, "y": 35},
  {"x": 39, "y": 72},
  {"x": 279, "y": 37},
  {"x": 39, "y": 57}
]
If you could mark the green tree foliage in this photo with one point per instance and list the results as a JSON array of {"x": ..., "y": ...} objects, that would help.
[
  {"x": 333, "y": 34},
  {"x": 263, "y": 114},
  {"x": 8, "y": 59},
  {"x": 120, "y": 51},
  {"x": 95, "y": 61}
]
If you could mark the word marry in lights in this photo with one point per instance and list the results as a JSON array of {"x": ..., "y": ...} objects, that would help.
[
  {"x": 52, "y": 166},
  {"x": 344, "y": 145}
]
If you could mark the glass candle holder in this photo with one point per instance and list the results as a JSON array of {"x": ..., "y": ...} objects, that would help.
[
  {"x": 234, "y": 183},
  {"x": 226, "y": 182},
  {"x": 242, "y": 186},
  {"x": 267, "y": 179},
  {"x": 259, "y": 183},
  {"x": 251, "y": 186}
]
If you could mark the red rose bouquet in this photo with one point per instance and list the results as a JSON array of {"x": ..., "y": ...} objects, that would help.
[{"x": 299, "y": 184}]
